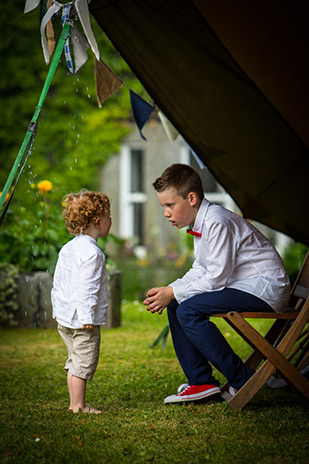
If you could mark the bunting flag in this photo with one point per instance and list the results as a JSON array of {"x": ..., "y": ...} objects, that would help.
[
  {"x": 50, "y": 32},
  {"x": 106, "y": 81},
  {"x": 82, "y": 11},
  {"x": 170, "y": 130},
  {"x": 80, "y": 47},
  {"x": 198, "y": 160},
  {"x": 47, "y": 17},
  {"x": 81, "y": 7},
  {"x": 141, "y": 111},
  {"x": 31, "y": 5}
]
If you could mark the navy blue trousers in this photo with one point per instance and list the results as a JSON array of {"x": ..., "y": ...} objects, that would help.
[{"x": 198, "y": 342}]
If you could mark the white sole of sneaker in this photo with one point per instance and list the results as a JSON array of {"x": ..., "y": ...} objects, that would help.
[{"x": 198, "y": 397}]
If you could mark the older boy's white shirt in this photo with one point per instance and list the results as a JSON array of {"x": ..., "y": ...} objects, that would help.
[
  {"x": 232, "y": 253},
  {"x": 79, "y": 293}
]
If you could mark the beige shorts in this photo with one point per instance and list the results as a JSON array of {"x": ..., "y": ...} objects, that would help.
[{"x": 83, "y": 350}]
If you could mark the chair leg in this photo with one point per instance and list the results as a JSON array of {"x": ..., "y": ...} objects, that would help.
[
  {"x": 272, "y": 336},
  {"x": 251, "y": 387},
  {"x": 277, "y": 356}
]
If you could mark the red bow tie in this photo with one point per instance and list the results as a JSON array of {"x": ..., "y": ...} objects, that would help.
[{"x": 196, "y": 234}]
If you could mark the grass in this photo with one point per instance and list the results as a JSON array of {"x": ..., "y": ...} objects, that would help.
[{"x": 129, "y": 386}]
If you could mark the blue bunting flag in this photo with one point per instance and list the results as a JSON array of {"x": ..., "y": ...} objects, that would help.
[{"x": 141, "y": 110}]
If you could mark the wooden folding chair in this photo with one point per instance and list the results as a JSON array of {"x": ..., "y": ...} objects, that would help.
[{"x": 275, "y": 349}]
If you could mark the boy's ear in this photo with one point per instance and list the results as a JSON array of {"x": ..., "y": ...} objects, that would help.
[{"x": 193, "y": 199}]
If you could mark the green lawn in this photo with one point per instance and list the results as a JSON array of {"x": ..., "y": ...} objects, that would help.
[{"x": 129, "y": 387}]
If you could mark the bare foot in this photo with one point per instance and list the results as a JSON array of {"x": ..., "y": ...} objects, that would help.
[
  {"x": 92, "y": 410},
  {"x": 88, "y": 409}
]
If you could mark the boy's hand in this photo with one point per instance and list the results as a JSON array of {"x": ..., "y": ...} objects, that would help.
[
  {"x": 158, "y": 298},
  {"x": 87, "y": 326}
]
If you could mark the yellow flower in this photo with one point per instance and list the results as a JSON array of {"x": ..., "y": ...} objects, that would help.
[
  {"x": 6, "y": 197},
  {"x": 144, "y": 262},
  {"x": 45, "y": 186}
]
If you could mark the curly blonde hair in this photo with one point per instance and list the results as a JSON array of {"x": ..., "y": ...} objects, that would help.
[{"x": 83, "y": 208}]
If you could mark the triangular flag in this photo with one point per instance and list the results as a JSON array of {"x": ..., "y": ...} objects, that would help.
[
  {"x": 200, "y": 163},
  {"x": 170, "y": 130},
  {"x": 31, "y": 5},
  {"x": 80, "y": 47},
  {"x": 141, "y": 110},
  {"x": 106, "y": 81},
  {"x": 50, "y": 32},
  {"x": 82, "y": 10},
  {"x": 47, "y": 17}
]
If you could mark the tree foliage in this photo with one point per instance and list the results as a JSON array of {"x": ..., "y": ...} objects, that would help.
[{"x": 74, "y": 137}]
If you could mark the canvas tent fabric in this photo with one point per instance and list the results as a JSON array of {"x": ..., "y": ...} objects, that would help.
[{"x": 232, "y": 77}]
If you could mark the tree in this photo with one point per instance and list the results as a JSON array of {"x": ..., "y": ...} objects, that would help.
[{"x": 74, "y": 136}]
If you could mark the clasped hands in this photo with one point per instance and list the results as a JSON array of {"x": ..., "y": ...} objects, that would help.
[
  {"x": 158, "y": 298},
  {"x": 87, "y": 326}
]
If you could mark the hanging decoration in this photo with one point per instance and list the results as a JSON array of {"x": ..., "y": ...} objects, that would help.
[
  {"x": 200, "y": 163},
  {"x": 106, "y": 81},
  {"x": 50, "y": 32},
  {"x": 141, "y": 110},
  {"x": 170, "y": 130},
  {"x": 78, "y": 7}
]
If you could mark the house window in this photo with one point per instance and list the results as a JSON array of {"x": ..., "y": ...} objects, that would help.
[
  {"x": 137, "y": 169},
  {"x": 132, "y": 195}
]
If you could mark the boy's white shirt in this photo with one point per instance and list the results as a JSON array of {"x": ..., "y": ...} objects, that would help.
[
  {"x": 79, "y": 293},
  {"x": 232, "y": 253}
]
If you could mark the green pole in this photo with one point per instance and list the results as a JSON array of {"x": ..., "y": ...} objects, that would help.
[{"x": 63, "y": 37}]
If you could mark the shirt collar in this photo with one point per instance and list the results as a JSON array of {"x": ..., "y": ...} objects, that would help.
[
  {"x": 86, "y": 237},
  {"x": 199, "y": 220}
]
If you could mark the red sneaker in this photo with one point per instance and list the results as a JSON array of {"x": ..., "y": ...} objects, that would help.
[{"x": 200, "y": 393}]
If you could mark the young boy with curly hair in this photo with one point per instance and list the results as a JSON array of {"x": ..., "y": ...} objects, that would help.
[
  {"x": 235, "y": 269},
  {"x": 79, "y": 293}
]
